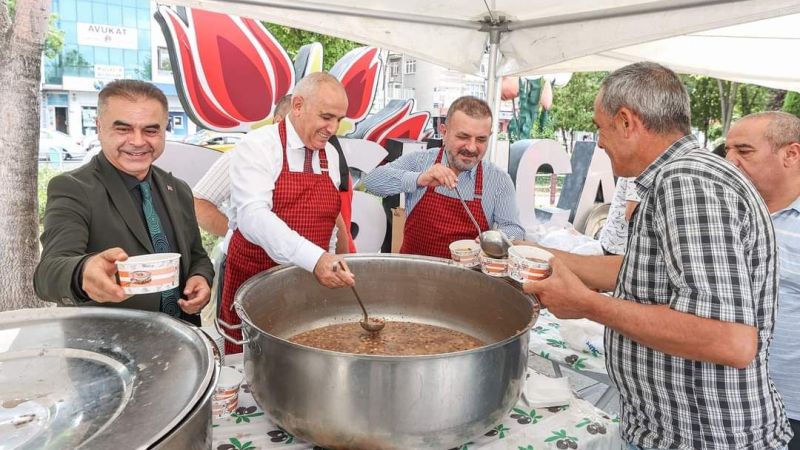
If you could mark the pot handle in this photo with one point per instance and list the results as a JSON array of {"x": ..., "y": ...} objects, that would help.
[{"x": 218, "y": 322}]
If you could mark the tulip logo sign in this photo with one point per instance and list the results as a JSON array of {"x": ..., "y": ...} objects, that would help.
[{"x": 230, "y": 72}]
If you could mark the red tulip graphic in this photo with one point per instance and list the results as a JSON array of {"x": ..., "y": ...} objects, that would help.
[
  {"x": 229, "y": 71},
  {"x": 358, "y": 72},
  {"x": 395, "y": 121}
]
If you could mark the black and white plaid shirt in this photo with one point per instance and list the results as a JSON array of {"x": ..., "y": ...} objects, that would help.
[{"x": 702, "y": 242}]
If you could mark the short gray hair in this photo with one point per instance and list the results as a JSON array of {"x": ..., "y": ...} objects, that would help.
[
  {"x": 131, "y": 90},
  {"x": 653, "y": 92},
  {"x": 283, "y": 106},
  {"x": 783, "y": 128},
  {"x": 307, "y": 87},
  {"x": 471, "y": 106}
]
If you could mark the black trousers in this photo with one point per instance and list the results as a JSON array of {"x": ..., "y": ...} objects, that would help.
[{"x": 794, "y": 444}]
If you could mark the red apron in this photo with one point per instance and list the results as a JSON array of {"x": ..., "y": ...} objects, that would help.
[
  {"x": 438, "y": 220},
  {"x": 309, "y": 204},
  {"x": 347, "y": 214}
]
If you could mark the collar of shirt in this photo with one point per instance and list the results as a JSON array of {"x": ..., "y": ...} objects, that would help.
[
  {"x": 293, "y": 140},
  {"x": 678, "y": 148},
  {"x": 795, "y": 205},
  {"x": 470, "y": 173},
  {"x": 132, "y": 182}
]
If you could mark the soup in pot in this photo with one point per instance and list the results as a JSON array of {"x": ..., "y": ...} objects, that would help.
[{"x": 396, "y": 339}]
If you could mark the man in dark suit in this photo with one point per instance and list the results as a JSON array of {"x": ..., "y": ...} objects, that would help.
[{"x": 120, "y": 205}]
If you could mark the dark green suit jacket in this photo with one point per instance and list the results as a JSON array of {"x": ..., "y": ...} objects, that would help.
[{"x": 90, "y": 210}]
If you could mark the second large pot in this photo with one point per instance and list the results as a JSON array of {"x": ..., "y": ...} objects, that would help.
[{"x": 340, "y": 401}]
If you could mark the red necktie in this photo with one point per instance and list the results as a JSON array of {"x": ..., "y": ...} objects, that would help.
[{"x": 307, "y": 164}]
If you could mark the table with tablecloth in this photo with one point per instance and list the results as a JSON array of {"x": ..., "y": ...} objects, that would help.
[
  {"x": 547, "y": 342},
  {"x": 577, "y": 426}
]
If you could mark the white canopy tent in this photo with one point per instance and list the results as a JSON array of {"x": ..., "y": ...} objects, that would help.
[
  {"x": 762, "y": 52},
  {"x": 522, "y": 36},
  {"x": 526, "y": 35}
]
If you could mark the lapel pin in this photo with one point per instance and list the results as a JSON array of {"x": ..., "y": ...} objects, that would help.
[{"x": 169, "y": 187}]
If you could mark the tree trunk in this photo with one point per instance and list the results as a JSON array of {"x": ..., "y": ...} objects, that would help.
[
  {"x": 21, "y": 45},
  {"x": 727, "y": 100}
]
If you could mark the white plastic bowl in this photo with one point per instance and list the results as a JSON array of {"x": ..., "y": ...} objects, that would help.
[
  {"x": 465, "y": 252},
  {"x": 527, "y": 263},
  {"x": 494, "y": 267},
  {"x": 145, "y": 274}
]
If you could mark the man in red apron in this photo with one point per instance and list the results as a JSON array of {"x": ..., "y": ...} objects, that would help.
[
  {"x": 436, "y": 217},
  {"x": 284, "y": 194}
]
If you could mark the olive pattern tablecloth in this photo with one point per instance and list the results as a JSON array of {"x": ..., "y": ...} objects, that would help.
[
  {"x": 577, "y": 426},
  {"x": 546, "y": 341}
]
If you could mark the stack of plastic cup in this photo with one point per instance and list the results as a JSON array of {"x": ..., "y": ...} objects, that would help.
[
  {"x": 219, "y": 341},
  {"x": 226, "y": 395}
]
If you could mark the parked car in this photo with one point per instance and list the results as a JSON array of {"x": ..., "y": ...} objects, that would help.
[
  {"x": 212, "y": 139},
  {"x": 69, "y": 147}
]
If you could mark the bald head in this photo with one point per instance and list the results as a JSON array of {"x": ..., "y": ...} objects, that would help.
[
  {"x": 766, "y": 148},
  {"x": 310, "y": 84},
  {"x": 780, "y": 128}
]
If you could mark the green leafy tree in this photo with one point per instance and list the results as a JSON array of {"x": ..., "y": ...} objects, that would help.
[
  {"x": 753, "y": 98},
  {"x": 791, "y": 103},
  {"x": 704, "y": 103},
  {"x": 73, "y": 58},
  {"x": 715, "y": 103},
  {"x": 292, "y": 39},
  {"x": 573, "y": 105},
  {"x": 145, "y": 71}
]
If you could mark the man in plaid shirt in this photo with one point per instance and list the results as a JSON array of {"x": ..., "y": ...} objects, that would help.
[{"x": 695, "y": 295}]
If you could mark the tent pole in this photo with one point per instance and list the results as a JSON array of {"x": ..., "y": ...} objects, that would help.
[{"x": 492, "y": 93}]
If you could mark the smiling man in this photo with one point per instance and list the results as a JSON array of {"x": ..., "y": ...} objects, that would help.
[
  {"x": 690, "y": 321},
  {"x": 121, "y": 205},
  {"x": 284, "y": 194},
  {"x": 429, "y": 178}
]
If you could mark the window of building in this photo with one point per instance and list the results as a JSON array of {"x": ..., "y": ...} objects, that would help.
[
  {"x": 164, "y": 64},
  {"x": 67, "y": 10},
  {"x": 88, "y": 120},
  {"x": 99, "y": 13},
  {"x": 475, "y": 89},
  {"x": 394, "y": 68},
  {"x": 411, "y": 66}
]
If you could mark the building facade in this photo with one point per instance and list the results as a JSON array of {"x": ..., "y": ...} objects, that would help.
[
  {"x": 104, "y": 40},
  {"x": 433, "y": 87}
]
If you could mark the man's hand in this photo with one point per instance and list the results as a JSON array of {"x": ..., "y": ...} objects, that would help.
[
  {"x": 197, "y": 292},
  {"x": 330, "y": 274},
  {"x": 563, "y": 293},
  {"x": 437, "y": 175},
  {"x": 99, "y": 281}
]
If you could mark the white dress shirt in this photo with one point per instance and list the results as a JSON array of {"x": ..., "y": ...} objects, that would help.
[{"x": 255, "y": 166}]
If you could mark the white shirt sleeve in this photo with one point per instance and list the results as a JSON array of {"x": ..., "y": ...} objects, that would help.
[
  {"x": 215, "y": 186},
  {"x": 255, "y": 166}
]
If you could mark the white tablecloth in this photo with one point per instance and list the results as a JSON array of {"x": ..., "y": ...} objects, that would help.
[{"x": 578, "y": 426}]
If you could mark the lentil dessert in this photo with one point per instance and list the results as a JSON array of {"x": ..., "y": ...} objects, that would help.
[{"x": 396, "y": 339}]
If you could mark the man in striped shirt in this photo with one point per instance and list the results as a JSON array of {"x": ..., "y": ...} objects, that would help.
[
  {"x": 433, "y": 179},
  {"x": 689, "y": 324},
  {"x": 766, "y": 148}
]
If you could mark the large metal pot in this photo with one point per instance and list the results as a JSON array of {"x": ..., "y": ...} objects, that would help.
[
  {"x": 340, "y": 400},
  {"x": 101, "y": 378}
]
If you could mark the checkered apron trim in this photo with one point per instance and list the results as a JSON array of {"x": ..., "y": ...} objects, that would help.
[{"x": 437, "y": 220}]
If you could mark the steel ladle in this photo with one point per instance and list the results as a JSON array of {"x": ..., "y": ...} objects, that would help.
[
  {"x": 493, "y": 243},
  {"x": 371, "y": 325}
]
